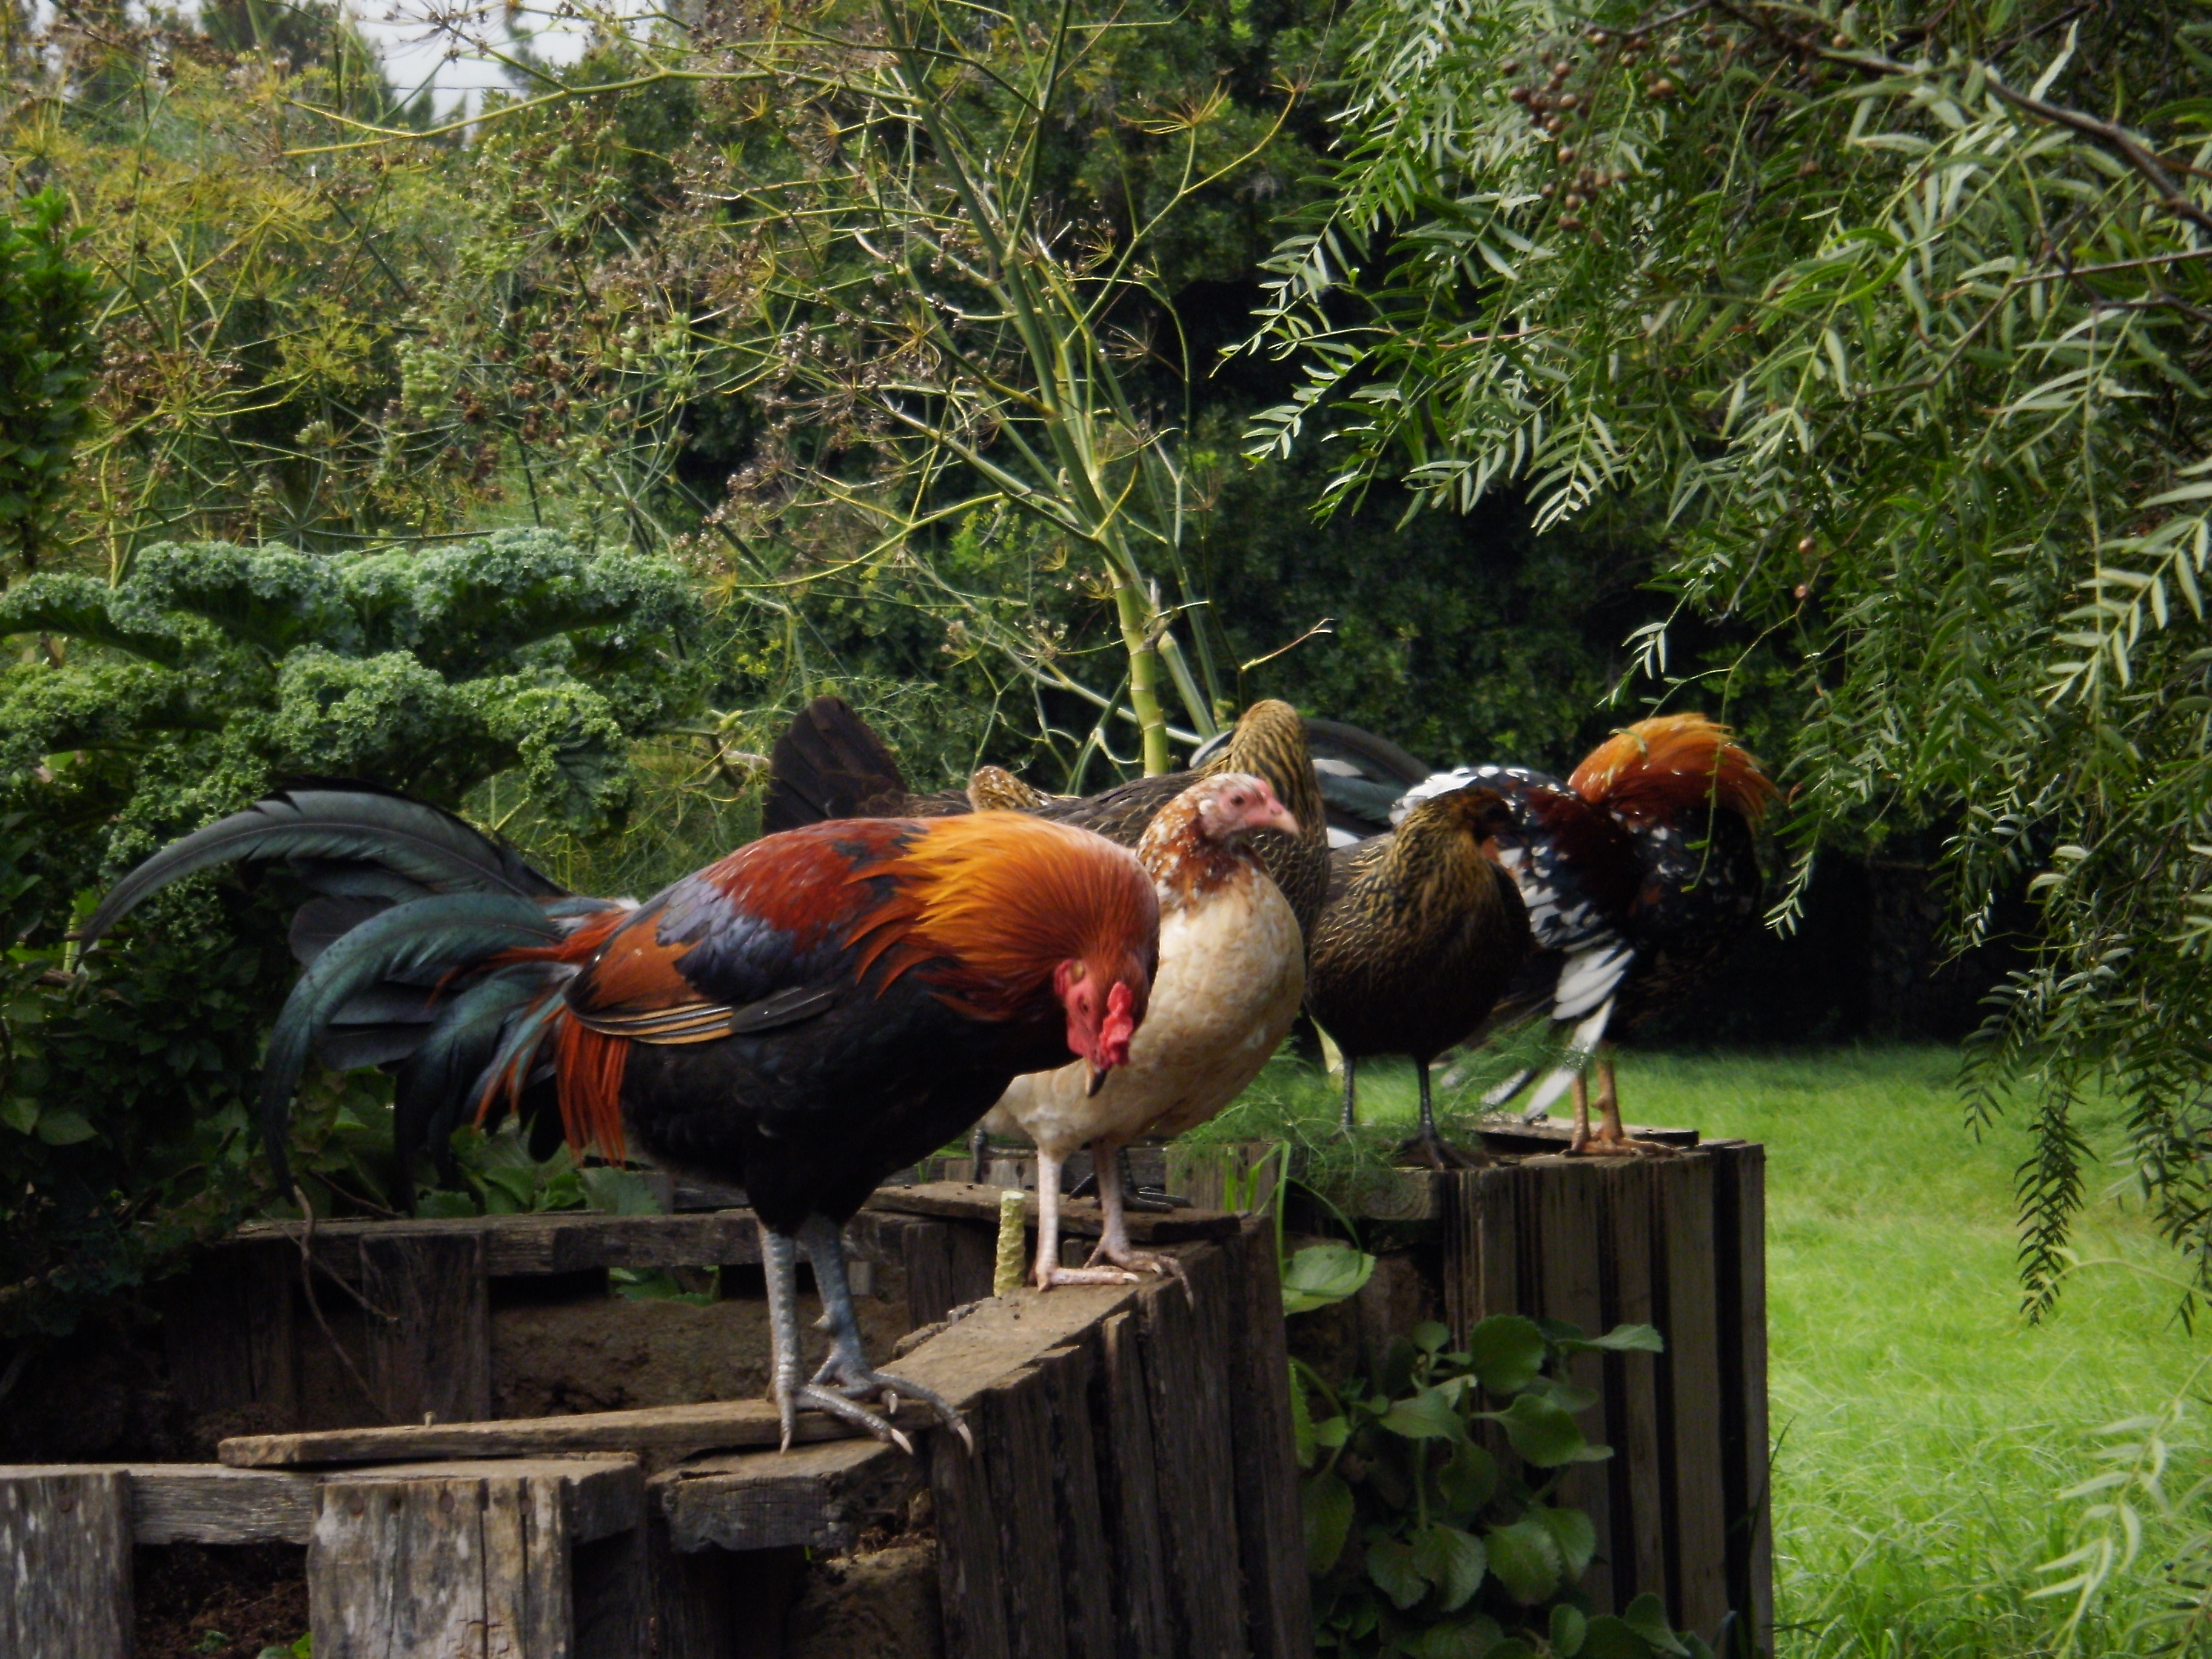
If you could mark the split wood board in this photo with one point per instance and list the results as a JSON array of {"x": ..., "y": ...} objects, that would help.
[
  {"x": 216, "y": 1504},
  {"x": 965, "y": 1201},
  {"x": 815, "y": 1495},
  {"x": 529, "y": 1245},
  {"x": 963, "y": 1359},
  {"x": 664, "y": 1430}
]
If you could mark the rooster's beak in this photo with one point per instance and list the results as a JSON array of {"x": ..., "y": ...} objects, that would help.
[{"x": 1098, "y": 1076}]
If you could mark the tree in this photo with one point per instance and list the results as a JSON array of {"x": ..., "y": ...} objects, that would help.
[
  {"x": 46, "y": 350},
  {"x": 1894, "y": 326},
  {"x": 210, "y": 674}
]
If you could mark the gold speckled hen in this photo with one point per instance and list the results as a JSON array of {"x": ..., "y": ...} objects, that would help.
[{"x": 1421, "y": 935}]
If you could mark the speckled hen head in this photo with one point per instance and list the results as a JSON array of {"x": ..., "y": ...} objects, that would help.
[{"x": 1199, "y": 839}]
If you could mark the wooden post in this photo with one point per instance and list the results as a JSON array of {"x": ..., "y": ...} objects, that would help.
[
  {"x": 227, "y": 1326},
  {"x": 1277, "y": 1603},
  {"x": 1129, "y": 1489},
  {"x": 464, "y": 1568},
  {"x": 1087, "y": 1582},
  {"x": 1740, "y": 1197},
  {"x": 66, "y": 1565},
  {"x": 1631, "y": 1382},
  {"x": 1690, "y": 1391},
  {"x": 429, "y": 1336}
]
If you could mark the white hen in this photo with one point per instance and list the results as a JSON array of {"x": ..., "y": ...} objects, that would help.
[{"x": 1231, "y": 973}]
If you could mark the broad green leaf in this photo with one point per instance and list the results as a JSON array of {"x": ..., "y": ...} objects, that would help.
[
  {"x": 63, "y": 1128},
  {"x": 1430, "y": 1337},
  {"x": 1476, "y": 1637},
  {"x": 1506, "y": 1352},
  {"x": 1525, "y": 1558},
  {"x": 1301, "y": 1428},
  {"x": 1621, "y": 1339},
  {"x": 20, "y": 1115},
  {"x": 1511, "y": 1648},
  {"x": 1569, "y": 1627},
  {"x": 1466, "y": 1483},
  {"x": 1427, "y": 1415},
  {"x": 445, "y": 1204},
  {"x": 1610, "y": 1637},
  {"x": 1325, "y": 1502},
  {"x": 1541, "y": 1431},
  {"x": 1325, "y": 1273},
  {"x": 1575, "y": 1535},
  {"x": 617, "y": 1191},
  {"x": 1452, "y": 1560},
  {"x": 1647, "y": 1616},
  {"x": 1390, "y": 1564}
]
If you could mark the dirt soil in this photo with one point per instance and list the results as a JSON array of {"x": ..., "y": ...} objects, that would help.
[
  {"x": 883, "y": 1606},
  {"x": 609, "y": 1354},
  {"x": 255, "y": 1596}
]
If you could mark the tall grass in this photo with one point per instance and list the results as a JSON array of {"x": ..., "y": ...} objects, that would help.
[{"x": 1923, "y": 1427}]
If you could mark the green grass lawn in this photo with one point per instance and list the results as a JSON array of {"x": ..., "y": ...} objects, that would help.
[{"x": 1924, "y": 1428}]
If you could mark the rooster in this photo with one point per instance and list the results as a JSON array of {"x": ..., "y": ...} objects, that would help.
[
  {"x": 1640, "y": 872},
  {"x": 815, "y": 1010},
  {"x": 1423, "y": 932},
  {"x": 1232, "y": 969}
]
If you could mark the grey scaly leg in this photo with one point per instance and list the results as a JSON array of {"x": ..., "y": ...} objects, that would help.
[
  {"x": 1351, "y": 1097},
  {"x": 846, "y": 1371}
]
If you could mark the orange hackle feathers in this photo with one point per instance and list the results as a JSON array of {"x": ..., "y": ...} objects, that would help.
[
  {"x": 1665, "y": 765},
  {"x": 995, "y": 901}
]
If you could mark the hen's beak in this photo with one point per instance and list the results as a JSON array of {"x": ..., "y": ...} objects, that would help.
[
  {"x": 1281, "y": 819},
  {"x": 1098, "y": 1076}
]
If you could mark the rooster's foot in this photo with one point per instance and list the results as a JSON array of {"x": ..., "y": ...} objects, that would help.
[
  {"x": 851, "y": 1383},
  {"x": 1045, "y": 1278},
  {"x": 1135, "y": 1262},
  {"x": 1602, "y": 1145},
  {"x": 1432, "y": 1151}
]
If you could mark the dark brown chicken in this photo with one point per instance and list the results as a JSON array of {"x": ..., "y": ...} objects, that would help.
[{"x": 1421, "y": 936}]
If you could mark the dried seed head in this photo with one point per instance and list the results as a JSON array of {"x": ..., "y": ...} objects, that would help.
[
  {"x": 1569, "y": 222},
  {"x": 1511, "y": 66},
  {"x": 1519, "y": 94},
  {"x": 1567, "y": 153},
  {"x": 1569, "y": 100},
  {"x": 1806, "y": 545}
]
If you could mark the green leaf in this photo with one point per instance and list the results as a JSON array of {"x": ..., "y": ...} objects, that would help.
[
  {"x": 1430, "y": 1337},
  {"x": 1302, "y": 1430},
  {"x": 1473, "y": 1638},
  {"x": 1647, "y": 1616},
  {"x": 1525, "y": 1558},
  {"x": 1575, "y": 1535},
  {"x": 1390, "y": 1566},
  {"x": 1466, "y": 1483},
  {"x": 1427, "y": 1415},
  {"x": 1569, "y": 1628},
  {"x": 20, "y": 1115},
  {"x": 1621, "y": 1339},
  {"x": 1511, "y": 1648},
  {"x": 1325, "y": 1501},
  {"x": 63, "y": 1128},
  {"x": 1541, "y": 1431},
  {"x": 1609, "y": 1637},
  {"x": 1506, "y": 1352},
  {"x": 1452, "y": 1560},
  {"x": 445, "y": 1204},
  {"x": 617, "y": 1191},
  {"x": 1325, "y": 1273}
]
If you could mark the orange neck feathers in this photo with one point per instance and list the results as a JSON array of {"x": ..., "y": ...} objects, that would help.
[
  {"x": 994, "y": 902},
  {"x": 1672, "y": 763}
]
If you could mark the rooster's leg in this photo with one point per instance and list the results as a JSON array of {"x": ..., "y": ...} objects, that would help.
[
  {"x": 847, "y": 1370},
  {"x": 1048, "y": 1272},
  {"x": 979, "y": 1152},
  {"x": 1581, "y": 1137},
  {"x": 1351, "y": 1118},
  {"x": 1611, "y": 1136},
  {"x": 1428, "y": 1145},
  {"x": 1113, "y": 1244}
]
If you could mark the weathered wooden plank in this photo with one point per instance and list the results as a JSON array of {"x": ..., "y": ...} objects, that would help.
[
  {"x": 970, "y": 1575},
  {"x": 528, "y": 1596},
  {"x": 1129, "y": 1488},
  {"x": 928, "y": 1261},
  {"x": 227, "y": 1323},
  {"x": 429, "y": 1337},
  {"x": 1740, "y": 1197},
  {"x": 1013, "y": 1422},
  {"x": 963, "y": 1200},
  {"x": 1570, "y": 1228},
  {"x": 1086, "y": 1584},
  {"x": 1188, "y": 1367},
  {"x": 612, "y": 1583},
  {"x": 1631, "y": 1400},
  {"x": 210, "y": 1503},
  {"x": 1690, "y": 1391},
  {"x": 668, "y": 1430},
  {"x": 1277, "y": 1606},
  {"x": 817, "y": 1495},
  {"x": 469, "y": 1560},
  {"x": 396, "y": 1568},
  {"x": 66, "y": 1565},
  {"x": 1481, "y": 1244},
  {"x": 526, "y": 1245}
]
